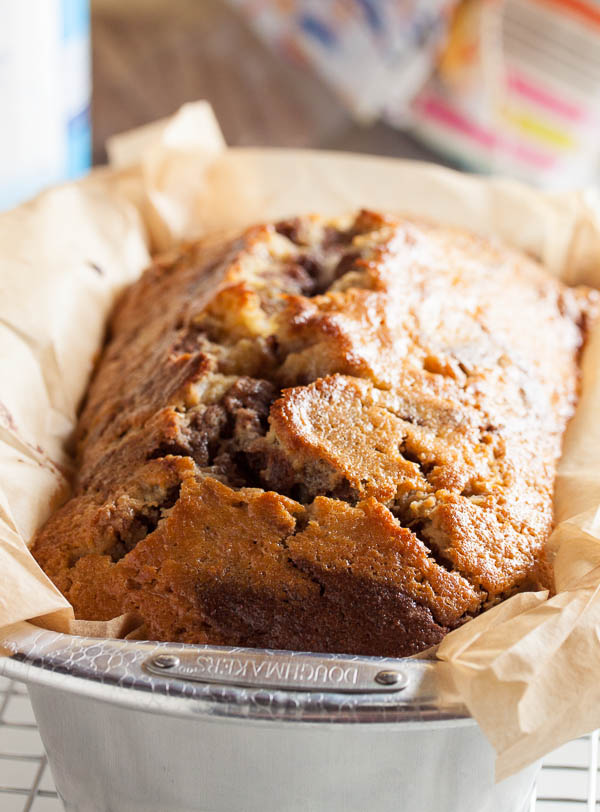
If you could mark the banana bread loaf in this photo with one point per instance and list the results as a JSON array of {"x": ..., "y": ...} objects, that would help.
[{"x": 329, "y": 435}]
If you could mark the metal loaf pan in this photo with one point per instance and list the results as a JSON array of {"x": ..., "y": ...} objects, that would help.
[{"x": 154, "y": 727}]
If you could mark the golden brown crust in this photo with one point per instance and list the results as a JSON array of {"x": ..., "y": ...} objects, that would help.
[{"x": 329, "y": 435}]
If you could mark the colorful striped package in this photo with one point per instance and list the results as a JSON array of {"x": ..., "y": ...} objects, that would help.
[
  {"x": 517, "y": 91},
  {"x": 374, "y": 53}
]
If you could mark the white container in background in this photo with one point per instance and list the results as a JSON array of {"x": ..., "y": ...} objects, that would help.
[{"x": 44, "y": 95}]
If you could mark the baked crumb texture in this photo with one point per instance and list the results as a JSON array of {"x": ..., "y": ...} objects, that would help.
[{"x": 331, "y": 435}]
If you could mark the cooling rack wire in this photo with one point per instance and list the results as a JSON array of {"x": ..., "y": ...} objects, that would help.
[{"x": 567, "y": 782}]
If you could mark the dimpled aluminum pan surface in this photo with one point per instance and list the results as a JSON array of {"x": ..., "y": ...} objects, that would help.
[{"x": 123, "y": 739}]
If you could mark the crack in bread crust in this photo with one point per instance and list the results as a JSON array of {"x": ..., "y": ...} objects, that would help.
[{"x": 332, "y": 435}]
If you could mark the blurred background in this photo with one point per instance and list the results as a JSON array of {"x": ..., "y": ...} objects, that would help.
[{"x": 508, "y": 86}]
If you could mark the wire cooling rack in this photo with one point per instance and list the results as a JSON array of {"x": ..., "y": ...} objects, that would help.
[
  {"x": 567, "y": 782},
  {"x": 25, "y": 781}
]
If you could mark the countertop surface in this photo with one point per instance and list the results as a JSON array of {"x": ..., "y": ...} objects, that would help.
[{"x": 151, "y": 56}]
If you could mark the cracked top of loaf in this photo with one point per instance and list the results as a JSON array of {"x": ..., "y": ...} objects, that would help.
[{"x": 328, "y": 435}]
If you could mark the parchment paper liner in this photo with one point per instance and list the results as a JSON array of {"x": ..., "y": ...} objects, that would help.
[{"x": 528, "y": 669}]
